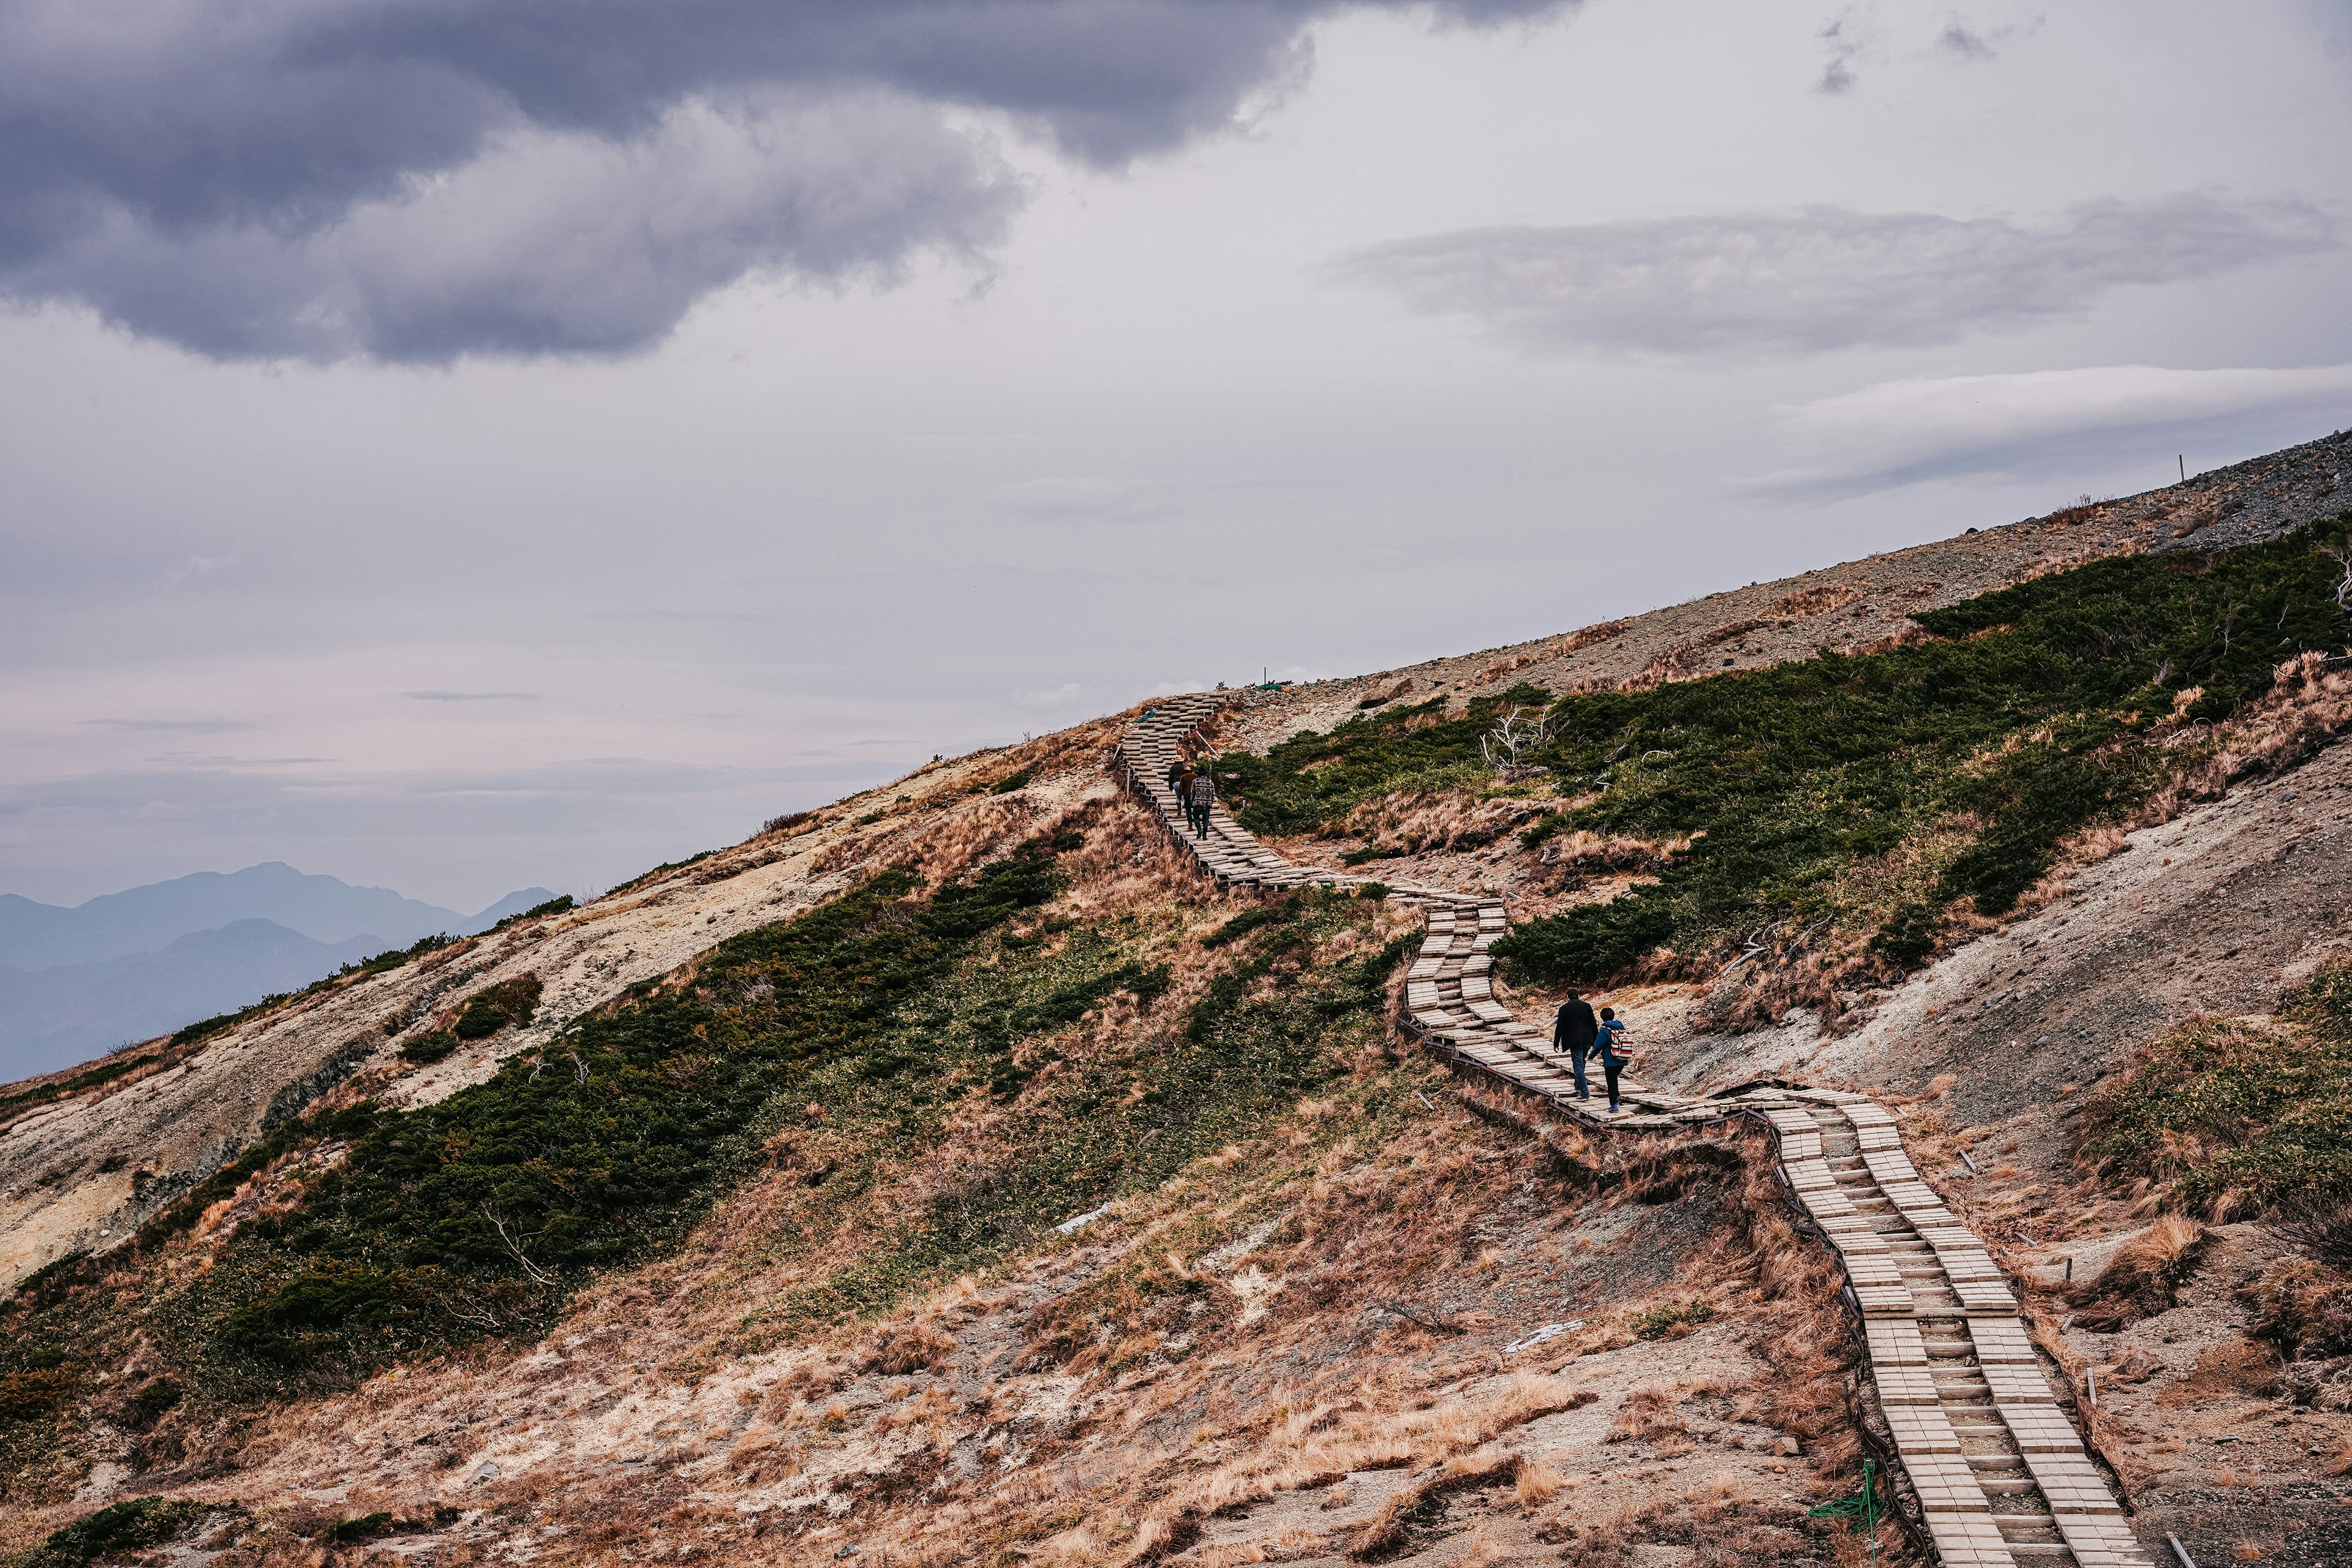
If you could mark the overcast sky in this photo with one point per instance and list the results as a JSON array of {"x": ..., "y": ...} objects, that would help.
[{"x": 468, "y": 445}]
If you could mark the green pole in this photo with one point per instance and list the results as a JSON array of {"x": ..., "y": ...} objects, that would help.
[{"x": 1870, "y": 1507}]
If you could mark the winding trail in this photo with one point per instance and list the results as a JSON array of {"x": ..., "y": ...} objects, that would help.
[{"x": 2000, "y": 1475}]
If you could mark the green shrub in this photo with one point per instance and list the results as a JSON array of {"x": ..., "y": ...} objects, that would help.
[
  {"x": 364, "y": 1527},
  {"x": 1312, "y": 779},
  {"x": 429, "y": 1049},
  {"x": 1662, "y": 1321},
  {"x": 1590, "y": 942},
  {"x": 394, "y": 957},
  {"x": 2035, "y": 713},
  {"x": 123, "y": 1527},
  {"x": 106, "y": 1070},
  {"x": 1010, "y": 781},
  {"x": 205, "y": 1028},
  {"x": 1097, "y": 1130},
  {"x": 1277, "y": 913},
  {"x": 508, "y": 1005},
  {"x": 555, "y": 906},
  {"x": 476, "y": 1214},
  {"x": 30, "y": 1395},
  {"x": 2221, "y": 1107}
]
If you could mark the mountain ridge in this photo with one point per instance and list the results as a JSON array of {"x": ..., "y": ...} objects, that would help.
[
  {"x": 56, "y": 1017},
  {"x": 144, "y": 918}
]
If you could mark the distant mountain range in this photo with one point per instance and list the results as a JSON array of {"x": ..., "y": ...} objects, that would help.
[{"x": 76, "y": 982}]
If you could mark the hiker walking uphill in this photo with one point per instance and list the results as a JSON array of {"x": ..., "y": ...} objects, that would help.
[
  {"x": 1184, "y": 794},
  {"x": 1177, "y": 768},
  {"x": 1573, "y": 1031},
  {"x": 1204, "y": 797},
  {"x": 1613, "y": 1053}
]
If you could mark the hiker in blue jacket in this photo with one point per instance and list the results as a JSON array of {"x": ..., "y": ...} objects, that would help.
[
  {"x": 1613, "y": 1053},
  {"x": 1573, "y": 1031}
]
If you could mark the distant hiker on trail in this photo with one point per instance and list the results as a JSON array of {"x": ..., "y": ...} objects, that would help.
[
  {"x": 1613, "y": 1053},
  {"x": 1573, "y": 1031},
  {"x": 1176, "y": 772},
  {"x": 1184, "y": 794},
  {"x": 1204, "y": 795}
]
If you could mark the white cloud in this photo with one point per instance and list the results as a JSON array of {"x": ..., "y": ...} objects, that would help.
[
  {"x": 471, "y": 695},
  {"x": 1085, "y": 498},
  {"x": 2041, "y": 422},
  {"x": 1058, "y": 697},
  {"x": 198, "y": 566},
  {"x": 1822, "y": 279}
]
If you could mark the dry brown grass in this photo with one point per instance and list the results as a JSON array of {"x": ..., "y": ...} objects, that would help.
[
  {"x": 1317, "y": 1447},
  {"x": 2239, "y": 1369},
  {"x": 1538, "y": 1482},
  {"x": 1646, "y": 1416},
  {"x": 2143, "y": 1276},
  {"x": 1719, "y": 1535},
  {"x": 1388, "y": 1527}
]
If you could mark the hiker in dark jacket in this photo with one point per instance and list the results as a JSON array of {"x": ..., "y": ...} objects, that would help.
[
  {"x": 1184, "y": 794},
  {"x": 1613, "y": 1053},
  {"x": 1176, "y": 771},
  {"x": 1574, "y": 1031}
]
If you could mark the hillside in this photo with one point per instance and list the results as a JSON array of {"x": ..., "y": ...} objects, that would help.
[{"x": 958, "y": 1175}]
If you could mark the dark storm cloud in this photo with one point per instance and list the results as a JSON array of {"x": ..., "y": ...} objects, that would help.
[
  {"x": 1957, "y": 39},
  {"x": 416, "y": 180},
  {"x": 1837, "y": 72},
  {"x": 1823, "y": 278}
]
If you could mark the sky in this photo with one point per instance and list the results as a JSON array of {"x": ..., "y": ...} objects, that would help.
[{"x": 461, "y": 445}]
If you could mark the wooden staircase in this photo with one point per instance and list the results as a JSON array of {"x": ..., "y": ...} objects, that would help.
[{"x": 2002, "y": 1475}]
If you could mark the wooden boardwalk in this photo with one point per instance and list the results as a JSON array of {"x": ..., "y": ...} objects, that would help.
[{"x": 2001, "y": 1476}]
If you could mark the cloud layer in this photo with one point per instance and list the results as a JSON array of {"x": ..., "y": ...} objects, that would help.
[
  {"x": 2049, "y": 422},
  {"x": 326, "y": 178},
  {"x": 1820, "y": 279}
]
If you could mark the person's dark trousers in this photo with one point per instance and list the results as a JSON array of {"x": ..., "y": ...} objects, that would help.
[
  {"x": 1576, "y": 1055},
  {"x": 1613, "y": 1069}
]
